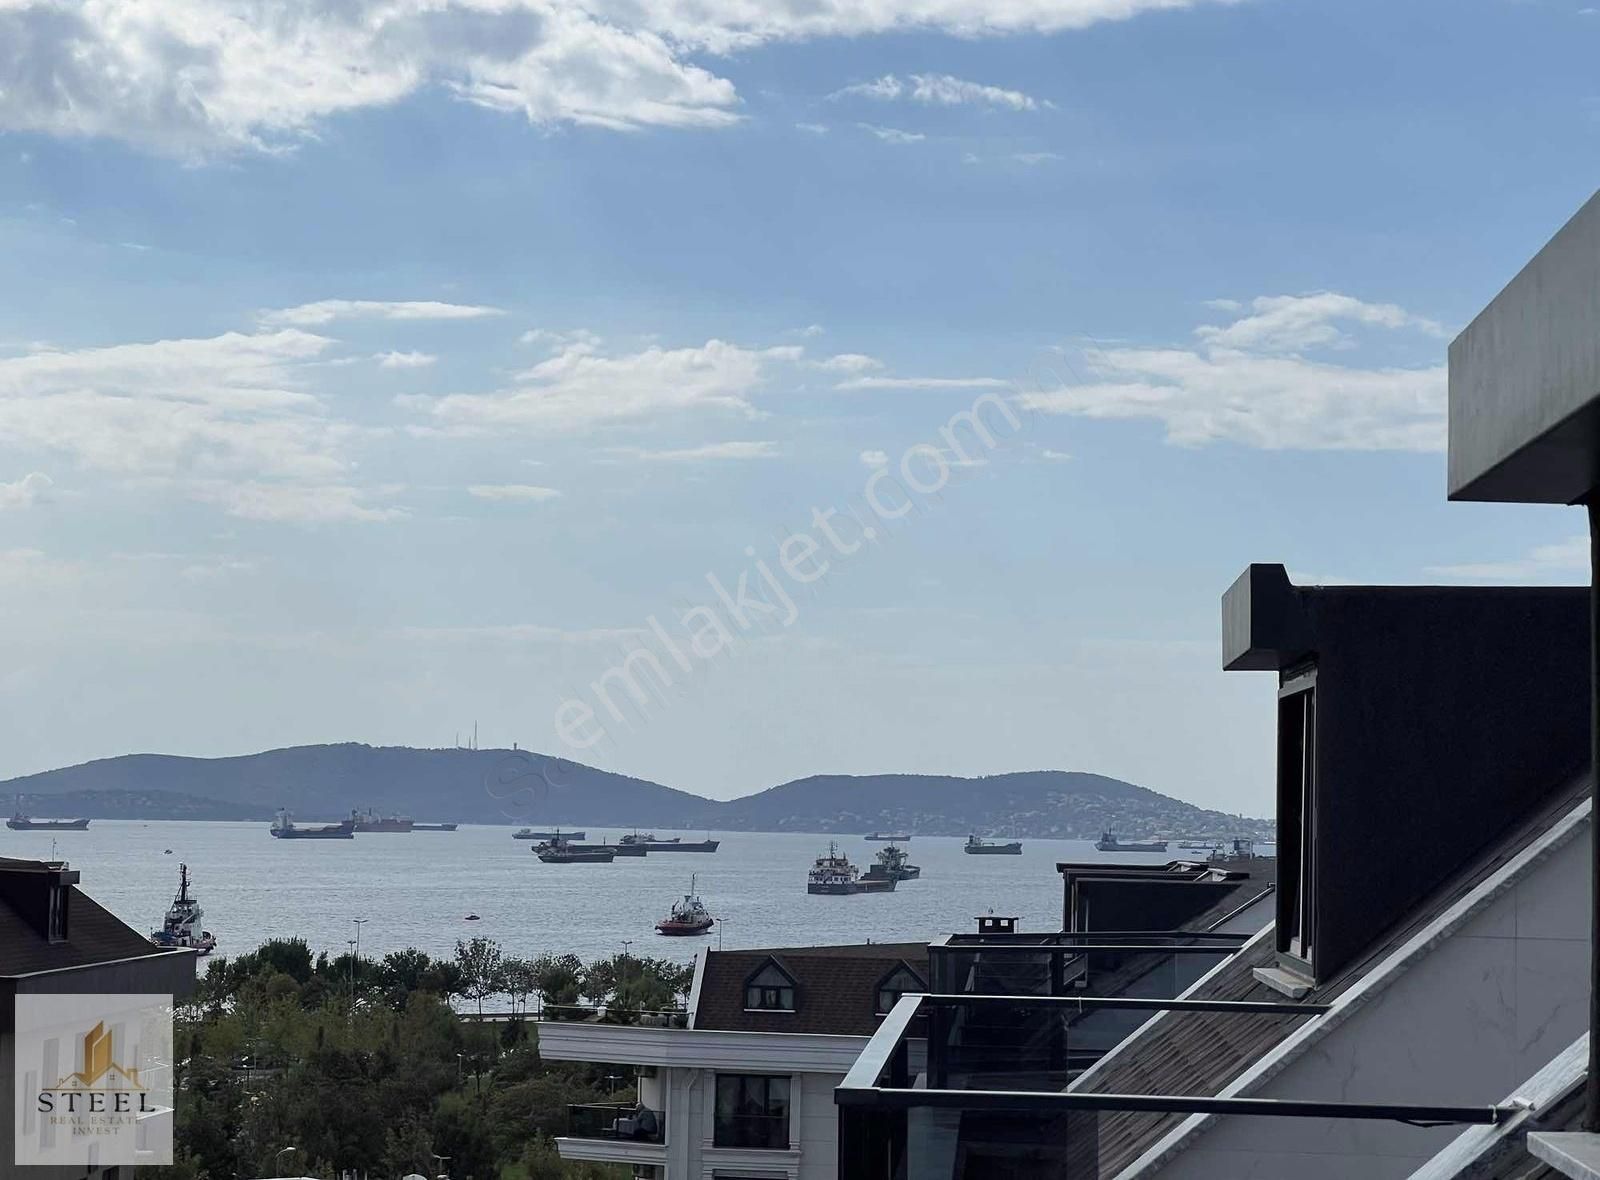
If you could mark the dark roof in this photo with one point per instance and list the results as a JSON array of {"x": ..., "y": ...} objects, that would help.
[
  {"x": 835, "y": 987},
  {"x": 94, "y": 934},
  {"x": 1202, "y": 1052}
]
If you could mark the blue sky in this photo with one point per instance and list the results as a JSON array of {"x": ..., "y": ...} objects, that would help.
[{"x": 391, "y": 367}]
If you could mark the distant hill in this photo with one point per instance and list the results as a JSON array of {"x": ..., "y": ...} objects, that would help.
[
  {"x": 521, "y": 787},
  {"x": 1069, "y": 804},
  {"x": 327, "y": 782}
]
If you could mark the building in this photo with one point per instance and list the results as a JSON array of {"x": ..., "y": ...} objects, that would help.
[
  {"x": 55, "y": 939},
  {"x": 1428, "y": 937},
  {"x": 740, "y": 1085}
]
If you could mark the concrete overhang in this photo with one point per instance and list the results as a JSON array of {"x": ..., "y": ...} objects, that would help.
[
  {"x": 1264, "y": 628},
  {"x": 1525, "y": 379}
]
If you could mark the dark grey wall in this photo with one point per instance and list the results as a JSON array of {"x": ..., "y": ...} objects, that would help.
[{"x": 1444, "y": 716}]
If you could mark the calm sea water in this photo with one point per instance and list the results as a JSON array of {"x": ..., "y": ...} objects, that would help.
[{"x": 415, "y": 889}]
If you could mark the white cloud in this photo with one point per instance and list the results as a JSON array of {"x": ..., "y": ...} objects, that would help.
[
  {"x": 223, "y": 403},
  {"x": 25, "y": 492},
  {"x": 736, "y": 449},
  {"x": 296, "y": 503},
  {"x": 923, "y": 383},
  {"x": 404, "y": 360},
  {"x": 939, "y": 90},
  {"x": 1050, "y": 456},
  {"x": 325, "y": 311},
  {"x": 1564, "y": 561},
  {"x": 812, "y": 128},
  {"x": 1292, "y": 323},
  {"x": 513, "y": 491},
  {"x": 578, "y": 388},
  {"x": 892, "y": 134},
  {"x": 1247, "y": 383},
  {"x": 850, "y": 362},
  {"x": 194, "y": 77},
  {"x": 875, "y": 458},
  {"x": 1032, "y": 158}
]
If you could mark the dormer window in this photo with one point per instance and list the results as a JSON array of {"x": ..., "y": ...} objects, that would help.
[
  {"x": 1297, "y": 811},
  {"x": 771, "y": 989},
  {"x": 899, "y": 982},
  {"x": 56, "y": 920}
]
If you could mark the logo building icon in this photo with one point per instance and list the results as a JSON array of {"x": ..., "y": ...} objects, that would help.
[{"x": 98, "y": 1066}]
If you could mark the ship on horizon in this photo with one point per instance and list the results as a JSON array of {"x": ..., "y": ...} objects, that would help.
[
  {"x": 371, "y": 821},
  {"x": 22, "y": 823},
  {"x": 833, "y": 874},
  {"x": 284, "y": 828},
  {"x": 977, "y": 847},
  {"x": 1108, "y": 842}
]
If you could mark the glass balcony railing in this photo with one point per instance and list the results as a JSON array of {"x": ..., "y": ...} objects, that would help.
[
  {"x": 628, "y": 1122},
  {"x": 992, "y": 1103},
  {"x": 766, "y": 1131}
]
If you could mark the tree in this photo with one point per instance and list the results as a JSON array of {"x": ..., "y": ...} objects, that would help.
[
  {"x": 481, "y": 965},
  {"x": 558, "y": 978}
]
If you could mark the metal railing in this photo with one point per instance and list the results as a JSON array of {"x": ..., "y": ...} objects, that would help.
[
  {"x": 610, "y": 1014},
  {"x": 894, "y": 1124},
  {"x": 628, "y": 1122}
]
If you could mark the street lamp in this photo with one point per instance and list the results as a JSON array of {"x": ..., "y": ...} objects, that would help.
[
  {"x": 360, "y": 922},
  {"x": 622, "y": 973}
]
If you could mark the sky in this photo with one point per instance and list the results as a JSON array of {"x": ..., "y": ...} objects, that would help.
[{"x": 723, "y": 393}]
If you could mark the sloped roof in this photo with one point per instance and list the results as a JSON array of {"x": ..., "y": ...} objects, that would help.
[
  {"x": 94, "y": 934},
  {"x": 1202, "y": 1052},
  {"x": 835, "y": 987}
]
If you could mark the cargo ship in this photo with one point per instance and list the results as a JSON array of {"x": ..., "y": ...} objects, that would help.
[
  {"x": 891, "y": 865},
  {"x": 977, "y": 847},
  {"x": 884, "y": 837},
  {"x": 22, "y": 823},
  {"x": 560, "y": 851},
  {"x": 1109, "y": 843},
  {"x": 421, "y": 827},
  {"x": 371, "y": 821},
  {"x": 530, "y": 834},
  {"x": 653, "y": 843},
  {"x": 834, "y": 875},
  {"x": 182, "y": 926},
  {"x": 284, "y": 828}
]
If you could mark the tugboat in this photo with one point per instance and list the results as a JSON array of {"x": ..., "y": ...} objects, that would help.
[
  {"x": 373, "y": 822},
  {"x": 284, "y": 828},
  {"x": 561, "y": 851},
  {"x": 182, "y": 927},
  {"x": 688, "y": 916},
  {"x": 891, "y": 866},
  {"x": 977, "y": 847},
  {"x": 833, "y": 874},
  {"x": 1109, "y": 843},
  {"x": 653, "y": 843},
  {"x": 883, "y": 837},
  {"x": 21, "y": 823},
  {"x": 530, "y": 834}
]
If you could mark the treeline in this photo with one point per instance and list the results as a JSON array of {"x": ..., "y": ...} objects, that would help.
[{"x": 294, "y": 1064}]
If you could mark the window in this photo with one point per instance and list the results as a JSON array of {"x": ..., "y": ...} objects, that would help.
[
  {"x": 752, "y": 1111},
  {"x": 58, "y": 914},
  {"x": 1297, "y": 791},
  {"x": 770, "y": 989},
  {"x": 899, "y": 982}
]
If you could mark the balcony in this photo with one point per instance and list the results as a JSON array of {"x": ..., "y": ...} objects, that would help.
[
  {"x": 615, "y": 1133},
  {"x": 994, "y": 1108},
  {"x": 626, "y": 1121}
]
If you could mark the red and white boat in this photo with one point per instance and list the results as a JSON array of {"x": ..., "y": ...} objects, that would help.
[{"x": 688, "y": 916}]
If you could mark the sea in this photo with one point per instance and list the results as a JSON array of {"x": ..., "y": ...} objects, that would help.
[{"x": 417, "y": 889}]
